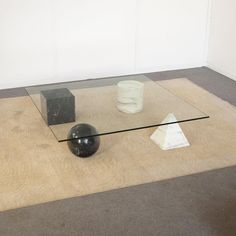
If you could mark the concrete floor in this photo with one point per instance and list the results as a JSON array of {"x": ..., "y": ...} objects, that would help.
[{"x": 202, "y": 204}]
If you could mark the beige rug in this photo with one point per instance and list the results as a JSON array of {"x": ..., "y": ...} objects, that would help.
[{"x": 35, "y": 168}]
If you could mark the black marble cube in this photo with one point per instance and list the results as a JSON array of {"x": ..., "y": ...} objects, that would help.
[{"x": 57, "y": 106}]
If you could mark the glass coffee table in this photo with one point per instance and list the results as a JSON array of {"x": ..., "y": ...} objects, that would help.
[{"x": 80, "y": 112}]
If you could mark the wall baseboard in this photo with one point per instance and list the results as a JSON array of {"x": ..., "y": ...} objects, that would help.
[{"x": 222, "y": 71}]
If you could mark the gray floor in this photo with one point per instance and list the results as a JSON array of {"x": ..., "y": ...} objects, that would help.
[
  {"x": 210, "y": 80},
  {"x": 216, "y": 83},
  {"x": 197, "y": 205},
  {"x": 202, "y": 204}
]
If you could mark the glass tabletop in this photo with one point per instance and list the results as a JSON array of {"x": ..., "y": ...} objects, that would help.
[{"x": 110, "y": 105}]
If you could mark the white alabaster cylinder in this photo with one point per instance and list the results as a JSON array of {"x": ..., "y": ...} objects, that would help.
[{"x": 130, "y": 96}]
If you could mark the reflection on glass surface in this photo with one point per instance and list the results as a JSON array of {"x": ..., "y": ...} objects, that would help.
[{"x": 95, "y": 103}]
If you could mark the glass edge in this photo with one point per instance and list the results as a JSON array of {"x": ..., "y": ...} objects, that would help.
[
  {"x": 133, "y": 129},
  {"x": 27, "y": 88}
]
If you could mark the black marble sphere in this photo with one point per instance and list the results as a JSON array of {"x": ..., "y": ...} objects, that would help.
[{"x": 85, "y": 146}]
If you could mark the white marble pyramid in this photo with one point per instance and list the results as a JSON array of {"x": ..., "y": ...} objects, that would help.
[{"x": 169, "y": 136}]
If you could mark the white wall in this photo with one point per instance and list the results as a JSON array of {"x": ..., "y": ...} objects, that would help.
[
  {"x": 222, "y": 41},
  {"x": 61, "y": 40},
  {"x": 26, "y": 42},
  {"x": 171, "y": 34}
]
